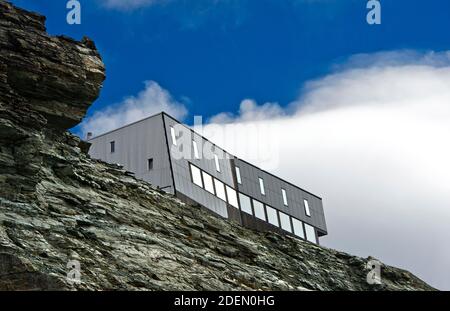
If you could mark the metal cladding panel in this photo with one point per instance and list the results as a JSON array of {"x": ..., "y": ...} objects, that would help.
[
  {"x": 135, "y": 144},
  {"x": 182, "y": 155},
  {"x": 250, "y": 175}
]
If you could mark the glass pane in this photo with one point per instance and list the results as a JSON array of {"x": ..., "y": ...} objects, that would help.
[
  {"x": 194, "y": 146},
  {"x": 245, "y": 204},
  {"x": 285, "y": 222},
  {"x": 220, "y": 189},
  {"x": 259, "y": 210},
  {"x": 310, "y": 233},
  {"x": 207, "y": 179},
  {"x": 150, "y": 164},
  {"x": 298, "y": 228},
  {"x": 283, "y": 192},
  {"x": 232, "y": 197},
  {"x": 216, "y": 160},
  {"x": 261, "y": 186},
  {"x": 174, "y": 138},
  {"x": 307, "y": 211},
  {"x": 196, "y": 176},
  {"x": 272, "y": 216},
  {"x": 238, "y": 175}
]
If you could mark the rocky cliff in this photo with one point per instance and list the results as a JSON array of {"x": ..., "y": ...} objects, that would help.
[{"x": 58, "y": 205}]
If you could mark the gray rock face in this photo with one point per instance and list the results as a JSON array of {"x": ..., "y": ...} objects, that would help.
[{"x": 58, "y": 205}]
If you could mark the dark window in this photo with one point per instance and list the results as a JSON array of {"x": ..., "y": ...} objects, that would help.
[
  {"x": 150, "y": 164},
  {"x": 113, "y": 146}
]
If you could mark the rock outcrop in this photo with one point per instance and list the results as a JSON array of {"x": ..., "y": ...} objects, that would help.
[{"x": 58, "y": 205}]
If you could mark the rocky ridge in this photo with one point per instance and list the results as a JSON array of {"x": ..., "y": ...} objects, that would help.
[{"x": 58, "y": 205}]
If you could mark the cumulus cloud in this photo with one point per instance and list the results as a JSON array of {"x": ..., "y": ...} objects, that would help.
[
  {"x": 153, "y": 99},
  {"x": 249, "y": 111},
  {"x": 373, "y": 140}
]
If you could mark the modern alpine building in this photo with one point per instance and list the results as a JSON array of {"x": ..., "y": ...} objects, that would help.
[{"x": 176, "y": 159}]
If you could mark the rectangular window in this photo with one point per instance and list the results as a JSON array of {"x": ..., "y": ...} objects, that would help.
[
  {"x": 261, "y": 186},
  {"x": 272, "y": 216},
  {"x": 246, "y": 205},
  {"x": 259, "y": 210},
  {"x": 220, "y": 189},
  {"x": 174, "y": 137},
  {"x": 307, "y": 211},
  {"x": 216, "y": 160},
  {"x": 208, "y": 181},
  {"x": 113, "y": 146},
  {"x": 150, "y": 164},
  {"x": 194, "y": 146},
  {"x": 232, "y": 197},
  {"x": 298, "y": 228},
  {"x": 283, "y": 192},
  {"x": 285, "y": 222},
  {"x": 196, "y": 176},
  {"x": 238, "y": 175},
  {"x": 310, "y": 233}
]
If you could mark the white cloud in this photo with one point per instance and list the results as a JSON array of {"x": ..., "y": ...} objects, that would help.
[
  {"x": 373, "y": 141},
  {"x": 250, "y": 111},
  {"x": 153, "y": 99}
]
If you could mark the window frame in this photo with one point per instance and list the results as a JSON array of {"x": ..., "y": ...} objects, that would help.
[
  {"x": 213, "y": 188},
  {"x": 270, "y": 208},
  {"x": 285, "y": 217},
  {"x": 262, "y": 188},
  {"x": 308, "y": 226},
  {"x": 112, "y": 146},
  {"x": 191, "y": 169},
  {"x": 173, "y": 136},
  {"x": 216, "y": 181},
  {"x": 238, "y": 175},
  {"x": 306, "y": 206},
  {"x": 150, "y": 164},
  {"x": 262, "y": 209},
  {"x": 229, "y": 190},
  {"x": 216, "y": 161},
  {"x": 244, "y": 207},
  {"x": 284, "y": 195},
  {"x": 195, "y": 148},
  {"x": 302, "y": 230}
]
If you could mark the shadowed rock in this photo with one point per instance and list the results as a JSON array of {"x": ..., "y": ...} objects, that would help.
[{"x": 57, "y": 76}]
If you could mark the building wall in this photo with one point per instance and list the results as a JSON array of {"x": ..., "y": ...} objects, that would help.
[
  {"x": 181, "y": 169},
  {"x": 250, "y": 175},
  {"x": 134, "y": 145}
]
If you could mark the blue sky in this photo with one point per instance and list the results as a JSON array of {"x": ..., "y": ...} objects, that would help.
[
  {"x": 212, "y": 54},
  {"x": 368, "y": 130}
]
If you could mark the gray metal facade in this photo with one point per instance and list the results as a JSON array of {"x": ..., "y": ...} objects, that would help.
[
  {"x": 152, "y": 138},
  {"x": 135, "y": 144}
]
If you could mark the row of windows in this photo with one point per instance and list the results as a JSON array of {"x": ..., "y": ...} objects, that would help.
[
  {"x": 263, "y": 191},
  {"x": 251, "y": 206},
  {"x": 238, "y": 174}
]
